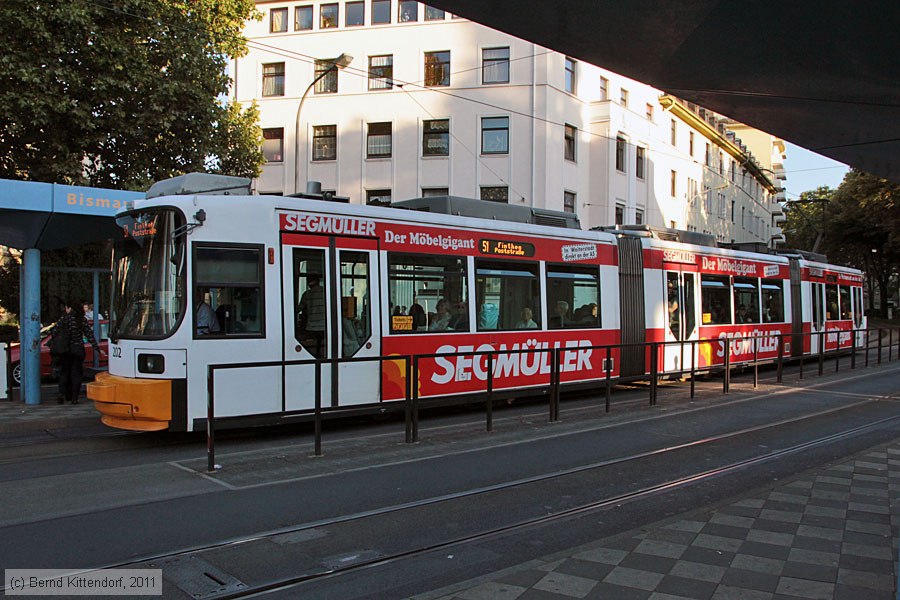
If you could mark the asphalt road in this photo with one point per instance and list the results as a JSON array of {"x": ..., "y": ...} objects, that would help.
[{"x": 95, "y": 502}]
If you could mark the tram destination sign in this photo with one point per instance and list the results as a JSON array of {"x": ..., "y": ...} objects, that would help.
[
  {"x": 506, "y": 248},
  {"x": 144, "y": 226}
]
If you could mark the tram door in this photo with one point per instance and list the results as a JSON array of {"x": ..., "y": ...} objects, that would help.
[
  {"x": 817, "y": 324},
  {"x": 332, "y": 285},
  {"x": 681, "y": 321}
]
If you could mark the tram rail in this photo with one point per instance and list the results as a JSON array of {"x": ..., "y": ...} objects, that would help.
[{"x": 838, "y": 416}]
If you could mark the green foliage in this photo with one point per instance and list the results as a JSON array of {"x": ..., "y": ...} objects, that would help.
[
  {"x": 238, "y": 143},
  {"x": 859, "y": 225},
  {"x": 119, "y": 94},
  {"x": 806, "y": 218}
]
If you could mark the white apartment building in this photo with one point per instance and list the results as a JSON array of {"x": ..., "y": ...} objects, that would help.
[{"x": 424, "y": 103}]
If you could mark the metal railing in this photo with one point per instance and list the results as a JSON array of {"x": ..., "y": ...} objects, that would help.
[{"x": 412, "y": 402}]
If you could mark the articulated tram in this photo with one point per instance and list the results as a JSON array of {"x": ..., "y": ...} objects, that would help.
[{"x": 270, "y": 284}]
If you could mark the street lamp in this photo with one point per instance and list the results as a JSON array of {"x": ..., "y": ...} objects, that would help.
[{"x": 335, "y": 64}]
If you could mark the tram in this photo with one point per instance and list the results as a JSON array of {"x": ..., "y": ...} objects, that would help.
[{"x": 269, "y": 285}]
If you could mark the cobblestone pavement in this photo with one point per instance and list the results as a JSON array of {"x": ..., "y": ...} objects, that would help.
[{"x": 827, "y": 534}]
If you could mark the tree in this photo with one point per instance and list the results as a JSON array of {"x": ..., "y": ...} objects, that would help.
[
  {"x": 238, "y": 149},
  {"x": 119, "y": 94},
  {"x": 864, "y": 228},
  {"x": 806, "y": 218}
]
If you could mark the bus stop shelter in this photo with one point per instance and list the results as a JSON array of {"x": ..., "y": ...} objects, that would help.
[{"x": 46, "y": 216}]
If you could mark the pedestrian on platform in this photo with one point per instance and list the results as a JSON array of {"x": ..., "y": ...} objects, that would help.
[{"x": 68, "y": 335}]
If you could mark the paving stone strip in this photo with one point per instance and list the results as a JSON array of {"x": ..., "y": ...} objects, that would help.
[{"x": 830, "y": 534}]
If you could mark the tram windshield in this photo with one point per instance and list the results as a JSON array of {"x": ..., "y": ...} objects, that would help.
[{"x": 148, "y": 274}]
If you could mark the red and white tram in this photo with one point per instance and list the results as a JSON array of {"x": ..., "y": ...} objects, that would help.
[{"x": 203, "y": 279}]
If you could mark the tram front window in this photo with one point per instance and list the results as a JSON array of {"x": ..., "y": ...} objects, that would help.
[{"x": 148, "y": 275}]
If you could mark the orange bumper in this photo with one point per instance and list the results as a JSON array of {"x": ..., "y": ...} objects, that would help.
[{"x": 133, "y": 404}]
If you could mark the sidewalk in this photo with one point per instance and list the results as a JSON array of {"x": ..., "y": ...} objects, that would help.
[
  {"x": 829, "y": 533},
  {"x": 16, "y": 416}
]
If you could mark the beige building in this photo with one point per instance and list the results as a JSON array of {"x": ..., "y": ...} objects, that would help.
[{"x": 392, "y": 99}]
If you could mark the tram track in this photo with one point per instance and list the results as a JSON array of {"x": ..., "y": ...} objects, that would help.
[
  {"x": 632, "y": 495},
  {"x": 293, "y": 582}
]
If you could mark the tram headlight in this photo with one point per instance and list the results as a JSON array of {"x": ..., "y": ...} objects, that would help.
[{"x": 151, "y": 363}]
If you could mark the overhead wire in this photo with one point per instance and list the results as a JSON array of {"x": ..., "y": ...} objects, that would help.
[{"x": 364, "y": 73}]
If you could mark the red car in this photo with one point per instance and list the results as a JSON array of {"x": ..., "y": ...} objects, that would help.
[{"x": 47, "y": 363}]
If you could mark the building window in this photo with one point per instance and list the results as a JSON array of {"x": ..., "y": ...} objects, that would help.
[
  {"x": 329, "y": 83},
  {"x": 354, "y": 14},
  {"x": 620, "y": 154},
  {"x": 638, "y": 217},
  {"x": 673, "y": 178},
  {"x": 436, "y": 137},
  {"x": 620, "y": 214},
  {"x": 408, "y": 11},
  {"x": 604, "y": 88},
  {"x": 325, "y": 142},
  {"x": 273, "y": 79},
  {"x": 328, "y": 16},
  {"x": 691, "y": 143},
  {"x": 431, "y": 192},
  {"x": 571, "y": 75},
  {"x": 708, "y": 156},
  {"x": 303, "y": 18},
  {"x": 673, "y": 132},
  {"x": 495, "y": 65},
  {"x": 569, "y": 202},
  {"x": 434, "y": 14},
  {"x": 733, "y": 171},
  {"x": 273, "y": 144},
  {"x": 570, "y": 140},
  {"x": 495, "y": 135},
  {"x": 378, "y": 140},
  {"x": 381, "y": 72},
  {"x": 649, "y": 112},
  {"x": 378, "y": 197},
  {"x": 437, "y": 69},
  {"x": 278, "y": 20},
  {"x": 498, "y": 193},
  {"x": 381, "y": 11},
  {"x": 639, "y": 152},
  {"x": 623, "y": 97}
]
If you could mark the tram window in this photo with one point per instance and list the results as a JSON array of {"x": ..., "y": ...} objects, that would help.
[
  {"x": 746, "y": 300},
  {"x": 672, "y": 293},
  {"x": 311, "y": 322},
  {"x": 227, "y": 291},
  {"x": 831, "y": 302},
  {"x": 508, "y": 295},
  {"x": 817, "y": 305},
  {"x": 356, "y": 320},
  {"x": 715, "y": 298},
  {"x": 427, "y": 293},
  {"x": 858, "y": 306},
  {"x": 573, "y": 297},
  {"x": 773, "y": 301},
  {"x": 689, "y": 309},
  {"x": 846, "y": 308}
]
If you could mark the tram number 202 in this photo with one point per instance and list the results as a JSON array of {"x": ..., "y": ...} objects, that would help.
[{"x": 116, "y": 352}]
